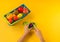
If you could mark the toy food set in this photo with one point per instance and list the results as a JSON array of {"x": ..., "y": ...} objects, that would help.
[{"x": 17, "y": 14}]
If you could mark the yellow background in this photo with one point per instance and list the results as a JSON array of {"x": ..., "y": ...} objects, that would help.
[{"x": 45, "y": 13}]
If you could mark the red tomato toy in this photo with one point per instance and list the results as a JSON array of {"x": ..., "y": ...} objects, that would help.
[
  {"x": 15, "y": 18},
  {"x": 10, "y": 20},
  {"x": 20, "y": 9}
]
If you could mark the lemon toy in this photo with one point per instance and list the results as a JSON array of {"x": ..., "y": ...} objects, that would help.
[{"x": 20, "y": 15}]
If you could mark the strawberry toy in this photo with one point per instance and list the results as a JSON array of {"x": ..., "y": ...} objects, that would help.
[{"x": 20, "y": 9}]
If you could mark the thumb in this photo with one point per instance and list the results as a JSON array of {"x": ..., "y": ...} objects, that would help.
[{"x": 30, "y": 29}]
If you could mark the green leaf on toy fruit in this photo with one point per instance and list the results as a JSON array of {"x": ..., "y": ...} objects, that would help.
[{"x": 25, "y": 23}]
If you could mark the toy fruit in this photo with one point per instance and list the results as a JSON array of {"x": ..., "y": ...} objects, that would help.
[
  {"x": 14, "y": 15},
  {"x": 9, "y": 16},
  {"x": 10, "y": 20},
  {"x": 30, "y": 25},
  {"x": 19, "y": 15},
  {"x": 16, "y": 12},
  {"x": 25, "y": 10},
  {"x": 20, "y": 9},
  {"x": 25, "y": 23},
  {"x": 15, "y": 18}
]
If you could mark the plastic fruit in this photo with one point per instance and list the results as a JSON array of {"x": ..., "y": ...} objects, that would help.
[
  {"x": 10, "y": 20},
  {"x": 25, "y": 23},
  {"x": 15, "y": 18},
  {"x": 10, "y": 16},
  {"x": 19, "y": 15},
  {"x": 16, "y": 12},
  {"x": 30, "y": 25},
  {"x": 14, "y": 15},
  {"x": 25, "y": 10},
  {"x": 20, "y": 9}
]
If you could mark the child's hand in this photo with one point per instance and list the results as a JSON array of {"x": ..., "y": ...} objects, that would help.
[
  {"x": 37, "y": 31},
  {"x": 39, "y": 34},
  {"x": 26, "y": 29}
]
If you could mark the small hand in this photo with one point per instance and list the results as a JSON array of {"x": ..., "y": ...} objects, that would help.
[
  {"x": 38, "y": 33},
  {"x": 26, "y": 29}
]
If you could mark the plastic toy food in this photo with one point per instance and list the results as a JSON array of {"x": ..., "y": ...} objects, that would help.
[
  {"x": 9, "y": 16},
  {"x": 15, "y": 18},
  {"x": 17, "y": 14},
  {"x": 10, "y": 20},
  {"x": 25, "y": 10},
  {"x": 13, "y": 15},
  {"x": 25, "y": 23},
  {"x": 20, "y": 9},
  {"x": 30, "y": 25}
]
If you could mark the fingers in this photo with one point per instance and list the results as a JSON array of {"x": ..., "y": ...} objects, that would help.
[
  {"x": 26, "y": 26},
  {"x": 30, "y": 29},
  {"x": 35, "y": 27}
]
